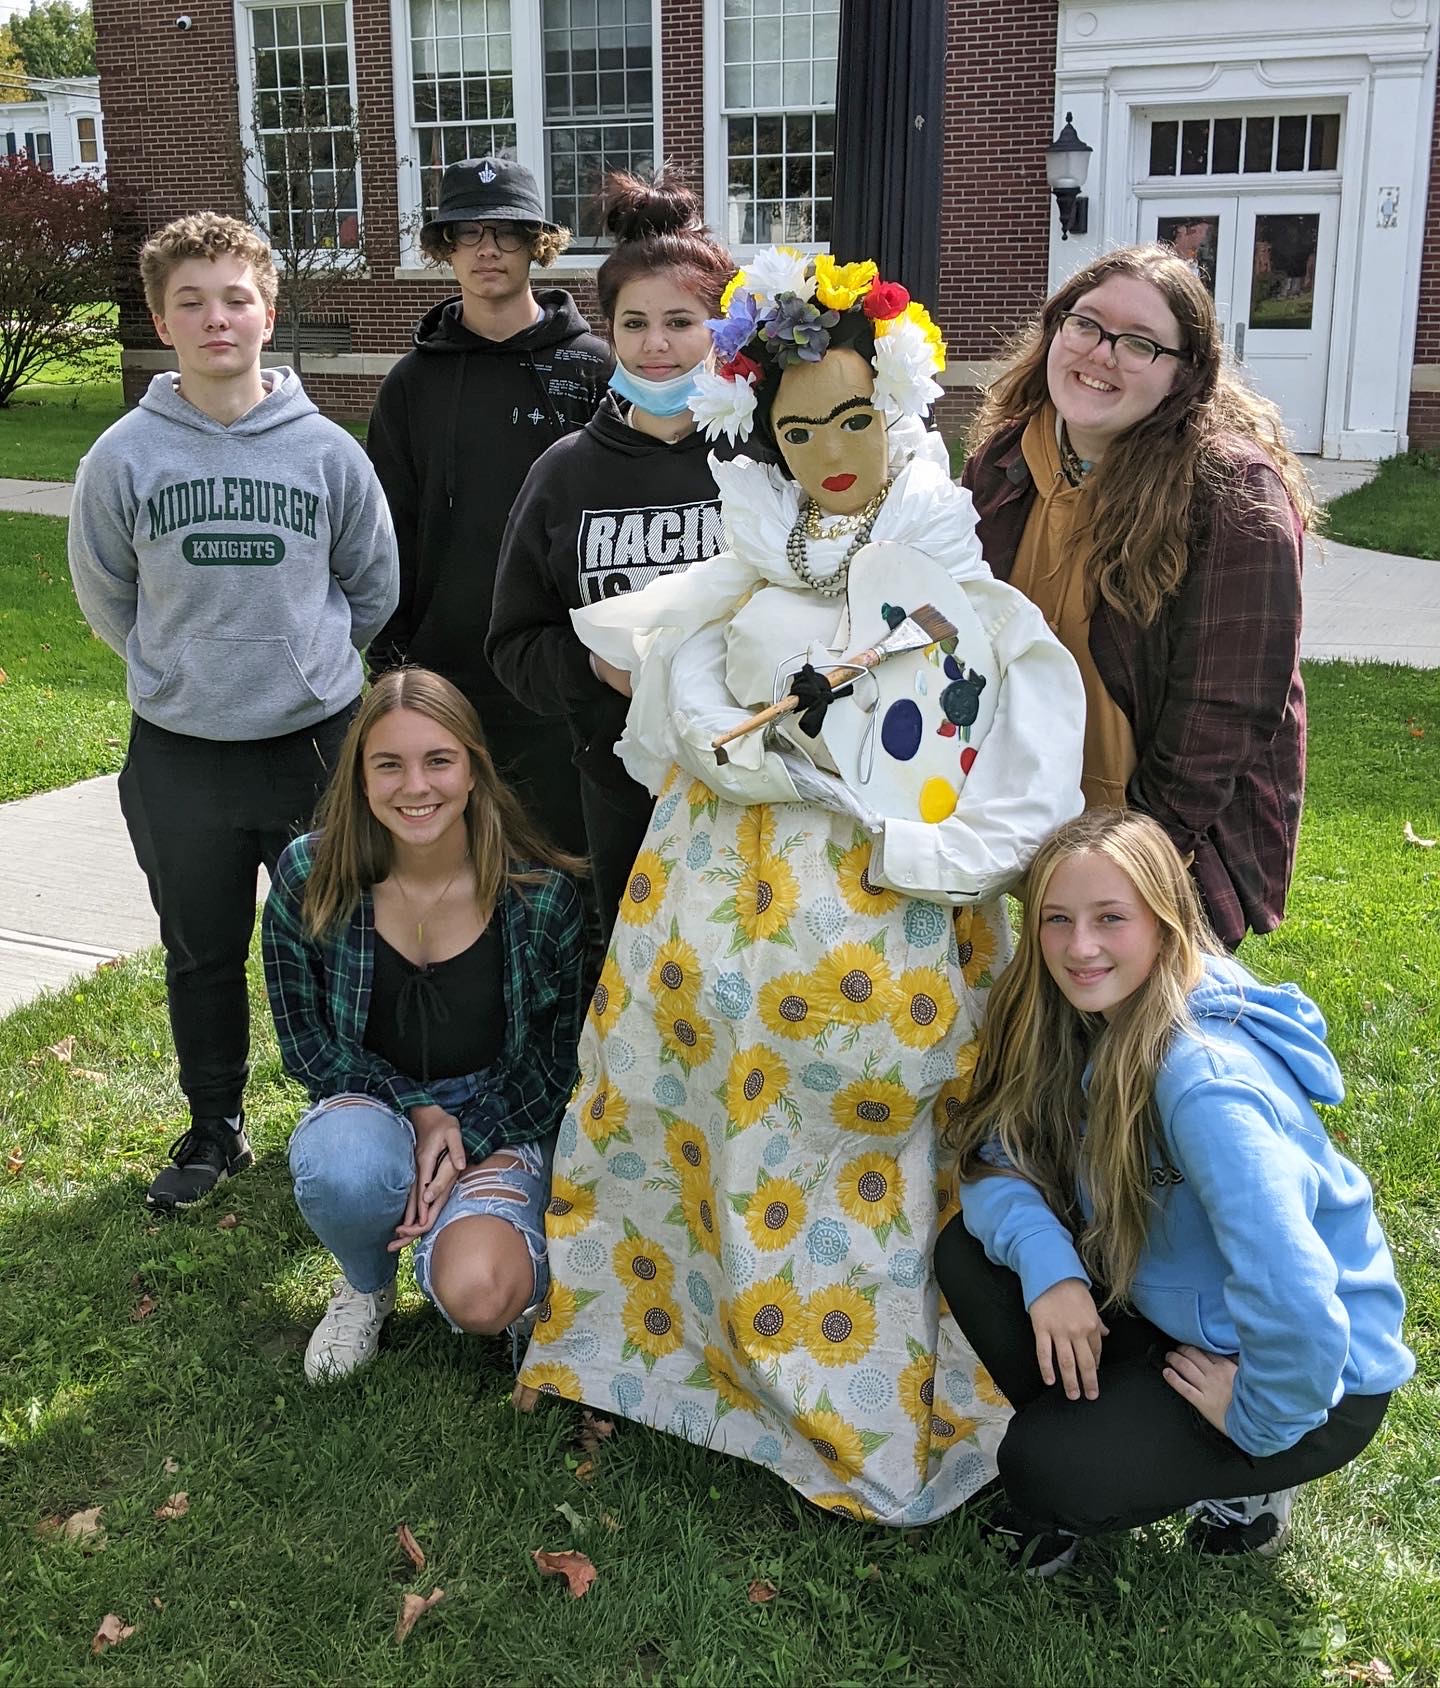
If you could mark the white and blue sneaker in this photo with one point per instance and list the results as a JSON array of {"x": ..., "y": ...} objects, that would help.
[{"x": 1249, "y": 1524}]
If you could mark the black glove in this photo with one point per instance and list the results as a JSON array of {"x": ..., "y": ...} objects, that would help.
[{"x": 816, "y": 694}]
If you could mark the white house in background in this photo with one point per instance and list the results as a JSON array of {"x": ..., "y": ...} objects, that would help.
[{"x": 61, "y": 128}]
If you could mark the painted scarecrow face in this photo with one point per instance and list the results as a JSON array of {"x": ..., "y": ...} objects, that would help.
[{"x": 830, "y": 433}]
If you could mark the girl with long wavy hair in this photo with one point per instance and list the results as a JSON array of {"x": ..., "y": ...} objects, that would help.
[
  {"x": 423, "y": 956},
  {"x": 1163, "y": 1261},
  {"x": 1130, "y": 484}
]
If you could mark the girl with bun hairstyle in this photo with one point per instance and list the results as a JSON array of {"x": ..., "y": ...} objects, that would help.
[{"x": 624, "y": 501}]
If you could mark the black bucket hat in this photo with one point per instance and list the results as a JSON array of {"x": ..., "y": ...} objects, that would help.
[{"x": 489, "y": 190}]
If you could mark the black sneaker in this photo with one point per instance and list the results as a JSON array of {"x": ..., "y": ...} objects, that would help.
[
  {"x": 1036, "y": 1552},
  {"x": 1249, "y": 1524},
  {"x": 205, "y": 1155}
]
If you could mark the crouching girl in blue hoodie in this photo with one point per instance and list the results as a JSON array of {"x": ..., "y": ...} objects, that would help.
[{"x": 1162, "y": 1260}]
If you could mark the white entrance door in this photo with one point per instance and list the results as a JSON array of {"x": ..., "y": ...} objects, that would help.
[{"x": 1269, "y": 261}]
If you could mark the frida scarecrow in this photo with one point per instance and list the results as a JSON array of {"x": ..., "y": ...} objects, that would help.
[{"x": 751, "y": 1175}]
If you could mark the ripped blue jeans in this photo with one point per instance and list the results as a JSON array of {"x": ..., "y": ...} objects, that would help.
[{"x": 352, "y": 1159}]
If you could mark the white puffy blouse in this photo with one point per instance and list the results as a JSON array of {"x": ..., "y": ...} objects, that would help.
[{"x": 700, "y": 665}]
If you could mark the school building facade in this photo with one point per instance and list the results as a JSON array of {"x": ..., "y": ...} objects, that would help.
[{"x": 1292, "y": 152}]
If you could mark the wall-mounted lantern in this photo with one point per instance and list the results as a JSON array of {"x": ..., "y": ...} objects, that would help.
[{"x": 1067, "y": 159}]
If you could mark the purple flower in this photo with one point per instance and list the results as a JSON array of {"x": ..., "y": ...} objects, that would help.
[
  {"x": 734, "y": 330},
  {"x": 796, "y": 330}
]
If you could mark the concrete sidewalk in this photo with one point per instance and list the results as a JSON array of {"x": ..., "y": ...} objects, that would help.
[{"x": 72, "y": 896}]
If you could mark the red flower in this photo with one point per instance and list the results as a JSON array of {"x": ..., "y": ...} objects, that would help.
[
  {"x": 740, "y": 365},
  {"x": 886, "y": 299}
]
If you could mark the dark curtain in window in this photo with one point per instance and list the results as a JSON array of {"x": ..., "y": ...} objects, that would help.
[{"x": 889, "y": 131}]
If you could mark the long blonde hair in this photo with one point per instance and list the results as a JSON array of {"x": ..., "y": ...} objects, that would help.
[
  {"x": 1144, "y": 497},
  {"x": 353, "y": 852},
  {"x": 1034, "y": 1048}
]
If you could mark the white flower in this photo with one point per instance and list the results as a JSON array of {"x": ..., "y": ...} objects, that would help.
[
  {"x": 904, "y": 365},
  {"x": 723, "y": 407},
  {"x": 777, "y": 270}
]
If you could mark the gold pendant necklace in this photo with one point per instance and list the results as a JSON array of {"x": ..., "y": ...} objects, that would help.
[{"x": 399, "y": 885}]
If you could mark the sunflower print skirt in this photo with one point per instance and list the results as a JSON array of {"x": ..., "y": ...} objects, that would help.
[{"x": 748, "y": 1184}]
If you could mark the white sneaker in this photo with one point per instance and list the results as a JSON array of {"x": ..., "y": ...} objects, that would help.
[
  {"x": 1257, "y": 1524},
  {"x": 347, "y": 1337}
]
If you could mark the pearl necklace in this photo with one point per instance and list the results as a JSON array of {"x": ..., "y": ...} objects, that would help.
[{"x": 807, "y": 526}]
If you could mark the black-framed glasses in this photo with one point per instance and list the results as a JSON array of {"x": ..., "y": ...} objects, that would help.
[
  {"x": 508, "y": 237},
  {"x": 1131, "y": 351}
]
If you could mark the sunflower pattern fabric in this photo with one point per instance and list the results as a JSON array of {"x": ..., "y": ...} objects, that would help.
[{"x": 749, "y": 1184}]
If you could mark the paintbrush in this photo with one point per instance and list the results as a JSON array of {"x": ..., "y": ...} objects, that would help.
[{"x": 921, "y": 627}]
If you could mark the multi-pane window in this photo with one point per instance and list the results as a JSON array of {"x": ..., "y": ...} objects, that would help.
[
  {"x": 1230, "y": 146},
  {"x": 599, "y": 102},
  {"x": 462, "y": 86},
  {"x": 42, "y": 152},
  {"x": 87, "y": 140},
  {"x": 779, "y": 117},
  {"x": 304, "y": 125}
]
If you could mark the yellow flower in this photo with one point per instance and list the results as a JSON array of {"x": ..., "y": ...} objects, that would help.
[
  {"x": 872, "y": 1188},
  {"x": 987, "y": 1390},
  {"x": 767, "y": 1319},
  {"x": 856, "y": 886},
  {"x": 603, "y": 1114},
  {"x": 836, "y": 1442},
  {"x": 686, "y": 1148},
  {"x": 766, "y": 897},
  {"x": 644, "y": 893},
  {"x": 697, "y": 1203},
  {"x": 652, "y": 1322},
  {"x": 723, "y": 1379},
  {"x": 951, "y": 1097},
  {"x": 924, "y": 1008},
  {"x": 699, "y": 795},
  {"x": 686, "y": 1035},
  {"x": 735, "y": 282},
  {"x": 570, "y": 1209},
  {"x": 755, "y": 832},
  {"x": 775, "y": 1214},
  {"x": 839, "y": 1325},
  {"x": 916, "y": 313},
  {"x": 838, "y": 286},
  {"x": 790, "y": 1007},
  {"x": 639, "y": 1262},
  {"x": 877, "y": 1106},
  {"x": 947, "y": 1428},
  {"x": 548, "y": 1378},
  {"x": 917, "y": 1388},
  {"x": 977, "y": 944},
  {"x": 609, "y": 996},
  {"x": 556, "y": 1315},
  {"x": 753, "y": 1084},
  {"x": 675, "y": 977},
  {"x": 846, "y": 1506},
  {"x": 854, "y": 985}
]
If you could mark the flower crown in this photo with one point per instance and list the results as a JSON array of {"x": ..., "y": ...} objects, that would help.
[{"x": 784, "y": 305}]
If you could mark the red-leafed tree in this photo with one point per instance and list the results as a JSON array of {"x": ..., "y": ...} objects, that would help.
[{"x": 57, "y": 272}]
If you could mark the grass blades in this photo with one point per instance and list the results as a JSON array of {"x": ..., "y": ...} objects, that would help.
[{"x": 1398, "y": 511}]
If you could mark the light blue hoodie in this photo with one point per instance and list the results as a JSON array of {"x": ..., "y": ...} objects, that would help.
[
  {"x": 1267, "y": 1247},
  {"x": 238, "y": 570}
]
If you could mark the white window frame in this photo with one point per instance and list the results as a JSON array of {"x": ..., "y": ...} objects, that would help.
[
  {"x": 716, "y": 151},
  {"x": 98, "y": 141},
  {"x": 250, "y": 138},
  {"x": 528, "y": 81}
]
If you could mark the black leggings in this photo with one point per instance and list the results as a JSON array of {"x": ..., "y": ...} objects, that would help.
[{"x": 1139, "y": 1452}]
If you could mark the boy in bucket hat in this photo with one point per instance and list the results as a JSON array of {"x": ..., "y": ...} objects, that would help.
[{"x": 497, "y": 375}]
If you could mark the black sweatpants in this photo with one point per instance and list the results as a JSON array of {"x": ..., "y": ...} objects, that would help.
[
  {"x": 1139, "y": 1452},
  {"x": 203, "y": 815},
  {"x": 617, "y": 817}
]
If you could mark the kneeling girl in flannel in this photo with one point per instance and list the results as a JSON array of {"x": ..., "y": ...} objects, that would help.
[
  {"x": 1162, "y": 1259},
  {"x": 423, "y": 951}
]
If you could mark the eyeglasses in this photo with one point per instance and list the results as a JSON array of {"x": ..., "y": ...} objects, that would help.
[
  {"x": 508, "y": 237},
  {"x": 1132, "y": 351}
]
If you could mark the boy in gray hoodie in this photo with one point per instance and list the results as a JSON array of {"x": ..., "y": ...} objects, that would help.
[{"x": 234, "y": 547}]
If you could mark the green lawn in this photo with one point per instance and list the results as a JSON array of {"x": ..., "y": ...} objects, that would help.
[
  {"x": 46, "y": 429},
  {"x": 285, "y": 1569},
  {"x": 1398, "y": 511}
]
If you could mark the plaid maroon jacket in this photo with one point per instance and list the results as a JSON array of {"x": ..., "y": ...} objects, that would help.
[{"x": 1211, "y": 689}]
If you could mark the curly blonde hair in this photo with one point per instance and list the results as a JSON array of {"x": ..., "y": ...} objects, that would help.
[
  {"x": 205, "y": 234},
  {"x": 546, "y": 245}
]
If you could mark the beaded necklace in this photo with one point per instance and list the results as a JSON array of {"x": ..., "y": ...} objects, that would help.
[{"x": 808, "y": 526}]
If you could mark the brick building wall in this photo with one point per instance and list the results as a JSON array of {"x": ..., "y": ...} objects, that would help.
[{"x": 1424, "y": 426}]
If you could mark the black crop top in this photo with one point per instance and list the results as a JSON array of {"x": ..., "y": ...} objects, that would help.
[{"x": 442, "y": 1021}]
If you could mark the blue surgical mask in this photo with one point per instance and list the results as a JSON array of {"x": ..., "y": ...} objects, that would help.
[{"x": 660, "y": 398}]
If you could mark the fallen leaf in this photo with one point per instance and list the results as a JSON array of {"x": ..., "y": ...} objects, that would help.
[
  {"x": 593, "y": 1430},
  {"x": 84, "y": 1527},
  {"x": 1411, "y": 838},
  {"x": 412, "y": 1608},
  {"x": 609, "y": 1520},
  {"x": 112, "y": 742},
  {"x": 524, "y": 1399},
  {"x": 114, "y": 961},
  {"x": 585, "y": 1471},
  {"x": 761, "y": 1591},
  {"x": 576, "y": 1568},
  {"x": 91, "y": 1074},
  {"x": 3, "y": 676},
  {"x": 14, "y": 1160},
  {"x": 142, "y": 1309},
  {"x": 175, "y": 1507},
  {"x": 1372, "y": 1674},
  {"x": 170, "y": 1467},
  {"x": 64, "y": 1050},
  {"x": 157, "y": 1602},
  {"x": 112, "y": 1631},
  {"x": 410, "y": 1547},
  {"x": 228, "y": 1223},
  {"x": 573, "y": 1518}
]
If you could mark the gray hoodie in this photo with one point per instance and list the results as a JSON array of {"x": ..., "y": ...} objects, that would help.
[{"x": 238, "y": 570}]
